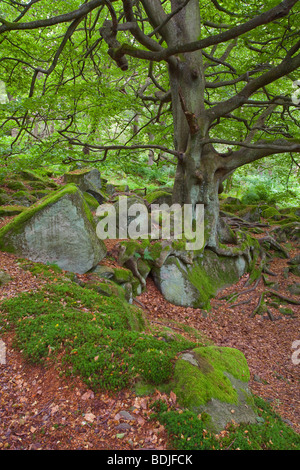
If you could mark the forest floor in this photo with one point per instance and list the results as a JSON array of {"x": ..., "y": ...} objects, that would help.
[{"x": 42, "y": 409}]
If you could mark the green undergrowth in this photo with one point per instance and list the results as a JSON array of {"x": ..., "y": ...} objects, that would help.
[
  {"x": 188, "y": 431},
  {"x": 104, "y": 340}
]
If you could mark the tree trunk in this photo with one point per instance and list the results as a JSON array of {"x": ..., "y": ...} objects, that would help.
[{"x": 197, "y": 179}]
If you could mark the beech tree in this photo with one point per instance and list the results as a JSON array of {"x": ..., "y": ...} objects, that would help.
[{"x": 224, "y": 70}]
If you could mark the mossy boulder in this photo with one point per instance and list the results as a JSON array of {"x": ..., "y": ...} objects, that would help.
[
  {"x": 106, "y": 287},
  {"x": 58, "y": 230},
  {"x": 287, "y": 231},
  {"x": 214, "y": 380},
  {"x": 271, "y": 213},
  {"x": 91, "y": 201},
  {"x": 30, "y": 175},
  {"x": 119, "y": 188},
  {"x": 88, "y": 180},
  {"x": 159, "y": 197},
  {"x": 15, "y": 185},
  {"x": 38, "y": 185},
  {"x": 4, "y": 199},
  {"x": 8, "y": 211},
  {"x": 23, "y": 198},
  {"x": 250, "y": 213},
  {"x": 194, "y": 285}
]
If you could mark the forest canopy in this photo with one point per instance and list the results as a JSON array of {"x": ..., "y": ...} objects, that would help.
[{"x": 112, "y": 82}]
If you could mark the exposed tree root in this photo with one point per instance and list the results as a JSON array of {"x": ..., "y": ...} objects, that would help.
[
  {"x": 237, "y": 222},
  {"x": 273, "y": 243},
  {"x": 270, "y": 314},
  {"x": 237, "y": 294},
  {"x": 258, "y": 306},
  {"x": 243, "y": 302},
  {"x": 283, "y": 297}
]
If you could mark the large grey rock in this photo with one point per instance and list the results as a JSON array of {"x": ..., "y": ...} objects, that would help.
[
  {"x": 57, "y": 230},
  {"x": 88, "y": 180},
  {"x": 194, "y": 285}
]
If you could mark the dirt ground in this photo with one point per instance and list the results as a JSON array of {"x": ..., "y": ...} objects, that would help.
[{"x": 41, "y": 409}]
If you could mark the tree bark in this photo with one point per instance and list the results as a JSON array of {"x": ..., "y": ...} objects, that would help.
[{"x": 197, "y": 180}]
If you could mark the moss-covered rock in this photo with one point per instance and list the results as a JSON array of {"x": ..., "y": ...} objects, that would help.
[
  {"x": 287, "y": 231},
  {"x": 4, "y": 199},
  {"x": 250, "y": 213},
  {"x": 91, "y": 200},
  {"x": 214, "y": 380},
  {"x": 88, "y": 180},
  {"x": 41, "y": 185},
  {"x": 194, "y": 285},
  {"x": 30, "y": 175},
  {"x": 7, "y": 211},
  {"x": 122, "y": 275},
  {"x": 159, "y": 197},
  {"x": 57, "y": 229},
  {"x": 271, "y": 213},
  {"x": 15, "y": 185},
  {"x": 23, "y": 198}
]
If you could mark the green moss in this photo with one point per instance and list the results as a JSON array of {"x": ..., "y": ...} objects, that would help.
[
  {"x": 153, "y": 196},
  {"x": 31, "y": 175},
  {"x": 196, "y": 385},
  {"x": 271, "y": 213},
  {"x": 17, "y": 223},
  {"x": 122, "y": 275},
  {"x": 4, "y": 199},
  {"x": 7, "y": 211},
  {"x": 227, "y": 359},
  {"x": 42, "y": 270},
  {"x": 38, "y": 184},
  {"x": 15, "y": 185},
  {"x": 90, "y": 200},
  {"x": 103, "y": 339},
  {"x": 190, "y": 431},
  {"x": 203, "y": 283}
]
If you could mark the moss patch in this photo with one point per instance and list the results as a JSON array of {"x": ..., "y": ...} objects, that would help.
[
  {"x": 196, "y": 385},
  {"x": 103, "y": 339},
  {"x": 7, "y": 211}
]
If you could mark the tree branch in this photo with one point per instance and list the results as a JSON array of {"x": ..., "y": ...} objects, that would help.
[
  {"x": 275, "y": 13},
  {"x": 65, "y": 18}
]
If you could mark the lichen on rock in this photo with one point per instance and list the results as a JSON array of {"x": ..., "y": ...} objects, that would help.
[{"x": 57, "y": 229}]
